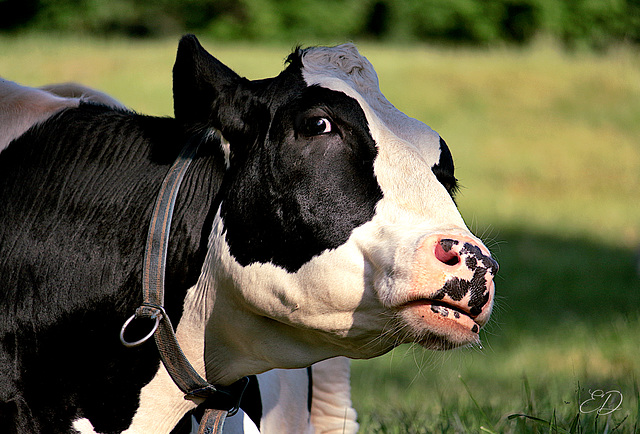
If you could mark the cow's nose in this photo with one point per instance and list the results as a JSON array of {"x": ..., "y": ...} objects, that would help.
[
  {"x": 445, "y": 254},
  {"x": 462, "y": 274},
  {"x": 450, "y": 252}
]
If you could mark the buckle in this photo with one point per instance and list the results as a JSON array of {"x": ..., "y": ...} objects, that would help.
[{"x": 221, "y": 397}]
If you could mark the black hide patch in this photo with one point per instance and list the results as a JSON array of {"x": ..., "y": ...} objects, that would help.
[
  {"x": 444, "y": 170},
  {"x": 302, "y": 191}
]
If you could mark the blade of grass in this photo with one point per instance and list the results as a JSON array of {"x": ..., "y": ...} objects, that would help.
[
  {"x": 620, "y": 424},
  {"x": 574, "y": 424},
  {"x": 482, "y": 413},
  {"x": 538, "y": 420}
]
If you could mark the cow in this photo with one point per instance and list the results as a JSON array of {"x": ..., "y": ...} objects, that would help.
[
  {"x": 315, "y": 223},
  {"x": 78, "y": 91},
  {"x": 23, "y": 107}
]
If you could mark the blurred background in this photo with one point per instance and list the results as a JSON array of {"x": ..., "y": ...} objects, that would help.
[
  {"x": 591, "y": 23},
  {"x": 539, "y": 101}
]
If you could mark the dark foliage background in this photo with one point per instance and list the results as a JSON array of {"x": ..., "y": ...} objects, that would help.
[{"x": 590, "y": 23}]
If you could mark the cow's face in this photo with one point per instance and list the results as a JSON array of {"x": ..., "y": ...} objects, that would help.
[{"x": 336, "y": 232}]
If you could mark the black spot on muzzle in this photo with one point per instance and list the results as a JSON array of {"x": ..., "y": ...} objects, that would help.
[{"x": 457, "y": 288}]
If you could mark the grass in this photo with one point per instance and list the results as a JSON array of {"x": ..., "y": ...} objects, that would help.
[{"x": 547, "y": 147}]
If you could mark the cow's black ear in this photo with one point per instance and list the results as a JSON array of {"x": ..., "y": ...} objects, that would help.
[{"x": 207, "y": 93}]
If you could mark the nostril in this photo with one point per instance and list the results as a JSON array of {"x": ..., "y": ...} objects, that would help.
[{"x": 445, "y": 254}]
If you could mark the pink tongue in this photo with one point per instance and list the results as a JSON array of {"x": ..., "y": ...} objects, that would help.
[{"x": 456, "y": 316}]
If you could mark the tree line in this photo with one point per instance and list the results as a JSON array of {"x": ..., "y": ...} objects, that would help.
[{"x": 591, "y": 23}]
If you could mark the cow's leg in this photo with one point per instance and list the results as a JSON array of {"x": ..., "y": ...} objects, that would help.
[
  {"x": 331, "y": 410},
  {"x": 285, "y": 396}
]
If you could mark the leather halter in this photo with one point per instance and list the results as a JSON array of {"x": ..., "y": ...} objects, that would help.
[{"x": 219, "y": 401}]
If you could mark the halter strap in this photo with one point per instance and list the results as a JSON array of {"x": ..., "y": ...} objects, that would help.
[{"x": 218, "y": 400}]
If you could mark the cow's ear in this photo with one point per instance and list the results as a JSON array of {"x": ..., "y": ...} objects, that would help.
[{"x": 207, "y": 93}]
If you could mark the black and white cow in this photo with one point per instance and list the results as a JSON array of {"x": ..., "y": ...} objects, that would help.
[{"x": 316, "y": 221}]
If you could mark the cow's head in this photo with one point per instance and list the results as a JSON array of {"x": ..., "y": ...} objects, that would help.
[{"x": 336, "y": 232}]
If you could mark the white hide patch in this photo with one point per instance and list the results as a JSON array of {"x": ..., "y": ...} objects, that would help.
[
  {"x": 329, "y": 66},
  {"x": 83, "y": 426}
]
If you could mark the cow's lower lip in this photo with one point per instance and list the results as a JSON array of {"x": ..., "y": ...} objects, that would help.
[{"x": 436, "y": 318}]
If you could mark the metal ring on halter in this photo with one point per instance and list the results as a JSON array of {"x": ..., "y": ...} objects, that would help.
[{"x": 141, "y": 341}]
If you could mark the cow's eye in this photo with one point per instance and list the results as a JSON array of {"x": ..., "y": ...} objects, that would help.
[{"x": 316, "y": 126}]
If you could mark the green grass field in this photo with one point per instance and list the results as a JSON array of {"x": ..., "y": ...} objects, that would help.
[{"x": 547, "y": 148}]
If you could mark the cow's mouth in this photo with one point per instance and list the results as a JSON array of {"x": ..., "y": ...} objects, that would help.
[{"x": 443, "y": 325}]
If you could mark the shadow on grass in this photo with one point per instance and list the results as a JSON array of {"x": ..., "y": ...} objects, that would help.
[{"x": 547, "y": 280}]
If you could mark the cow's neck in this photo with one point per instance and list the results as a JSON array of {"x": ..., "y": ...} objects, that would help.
[
  {"x": 188, "y": 234},
  {"x": 191, "y": 225},
  {"x": 253, "y": 327}
]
